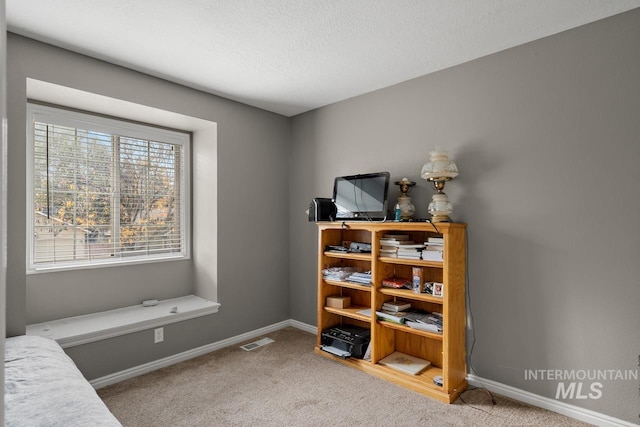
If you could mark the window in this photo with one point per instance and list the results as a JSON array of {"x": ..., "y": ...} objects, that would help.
[{"x": 104, "y": 191}]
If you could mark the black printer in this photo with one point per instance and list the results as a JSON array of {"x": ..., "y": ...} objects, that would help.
[{"x": 346, "y": 341}]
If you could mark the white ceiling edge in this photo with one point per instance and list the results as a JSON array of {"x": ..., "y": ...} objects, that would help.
[
  {"x": 291, "y": 57},
  {"x": 55, "y": 94}
]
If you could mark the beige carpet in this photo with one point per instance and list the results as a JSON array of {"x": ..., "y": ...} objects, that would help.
[{"x": 286, "y": 384}]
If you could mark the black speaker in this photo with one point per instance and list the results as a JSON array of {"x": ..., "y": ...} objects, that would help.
[{"x": 322, "y": 209}]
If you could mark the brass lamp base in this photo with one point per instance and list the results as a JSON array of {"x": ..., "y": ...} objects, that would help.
[
  {"x": 440, "y": 208},
  {"x": 440, "y": 218}
]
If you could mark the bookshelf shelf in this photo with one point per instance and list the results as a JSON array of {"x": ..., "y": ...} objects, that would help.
[
  {"x": 351, "y": 311},
  {"x": 408, "y": 261},
  {"x": 350, "y": 285},
  {"x": 445, "y": 351},
  {"x": 407, "y": 294},
  {"x": 363, "y": 365},
  {"x": 358, "y": 256},
  {"x": 422, "y": 383},
  {"x": 409, "y": 330}
]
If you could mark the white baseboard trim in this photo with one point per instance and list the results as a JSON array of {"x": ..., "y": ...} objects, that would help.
[
  {"x": 199, "y": 351},
  {"x": 549, "y": 404},
  {"x": 303, "y": 326}
]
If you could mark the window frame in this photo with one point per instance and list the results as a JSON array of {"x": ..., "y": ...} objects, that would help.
[{"x": 62, "y": 116}]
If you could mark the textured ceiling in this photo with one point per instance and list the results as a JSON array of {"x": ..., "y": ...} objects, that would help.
[{"x": 291, "y": 56}]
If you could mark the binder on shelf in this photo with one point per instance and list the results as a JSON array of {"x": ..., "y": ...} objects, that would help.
[{"x": 405, "y": 363}]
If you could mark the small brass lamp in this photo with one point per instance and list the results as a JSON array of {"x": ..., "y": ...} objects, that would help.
[{"x": 407, "y": 209}]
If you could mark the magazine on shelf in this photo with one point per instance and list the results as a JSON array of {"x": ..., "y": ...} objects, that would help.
[
  {"x": 405, "y": 363},
  {"x": 391, "y": 316},
  {"x": 361, "y": 278},
  {"x": 428, "y": 327}
]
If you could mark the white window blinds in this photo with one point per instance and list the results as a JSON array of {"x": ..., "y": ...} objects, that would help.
[{"x": 104, "y": 191}]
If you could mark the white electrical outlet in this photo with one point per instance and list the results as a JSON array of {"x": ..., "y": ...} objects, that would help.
[{"x": 158, "y": 335}]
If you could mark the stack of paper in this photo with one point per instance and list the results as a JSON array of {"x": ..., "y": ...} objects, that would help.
[{"x": 405, "y": 363}]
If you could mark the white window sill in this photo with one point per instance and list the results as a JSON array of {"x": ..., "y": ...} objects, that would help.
[{"x": 88, "y": 328}]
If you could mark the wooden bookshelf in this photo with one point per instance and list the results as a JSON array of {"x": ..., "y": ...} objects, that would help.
[{"x": 446, "y": 351}]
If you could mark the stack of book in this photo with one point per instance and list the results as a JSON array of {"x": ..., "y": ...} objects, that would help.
[
  {"x": 389, "y": 252},
  {"x": 401, "y": 246},
  {"x": 396, "y": 306},
  {"x": 417, "y": 319},
  {"x": 392, "y": 316},
  {"x": 433, "y": 249},
  {"x": 424, "y": 321},
  {"x": 361, "y": 278},
  {"x": 393, "y": 239},
  {"x": 436, "y": 242},
  {"x": 389, "y": 244},
  {"x": 410, "y": 250},
  {"x": 394, "y": 311}
]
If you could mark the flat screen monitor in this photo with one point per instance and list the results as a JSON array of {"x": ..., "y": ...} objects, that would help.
[{"x": 362, "y": 197}]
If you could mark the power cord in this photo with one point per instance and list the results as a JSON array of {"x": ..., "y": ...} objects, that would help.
[
  {"x": 473, "y": 326},
  {"x": 491, "y": 397},
  {"x": 435, "y": 227}
]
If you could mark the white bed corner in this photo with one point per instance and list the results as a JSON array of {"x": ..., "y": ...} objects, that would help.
[{"x": 43, "y": 387}]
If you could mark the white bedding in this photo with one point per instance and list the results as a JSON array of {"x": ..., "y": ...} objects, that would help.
[{"x": 43, "y": 387}]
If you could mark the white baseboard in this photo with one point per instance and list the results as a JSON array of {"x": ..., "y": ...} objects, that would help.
[
  {"x": 303, "y": 326},
  {"x": 199, "y": 351},
  {"x": 549, "y": 404}
]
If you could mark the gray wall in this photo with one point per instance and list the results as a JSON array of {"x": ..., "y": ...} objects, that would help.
[
  {"x": 253, "y": 149},
  {"x": 547, "y": 140}
]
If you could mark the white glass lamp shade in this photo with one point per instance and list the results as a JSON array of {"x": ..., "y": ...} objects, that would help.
[{"x": 439, "y": 166}]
